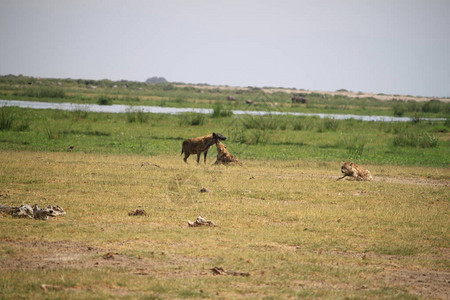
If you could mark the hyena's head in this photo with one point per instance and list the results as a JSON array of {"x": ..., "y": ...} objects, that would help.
[
  {"x": 347, "y": 168},
  {"x": 218, "y": 137},
  {"x": 222, "y": 148}
]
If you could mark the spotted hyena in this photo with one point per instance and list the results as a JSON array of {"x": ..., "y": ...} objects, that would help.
[
  {"x": 224, "y": 156},
  {"x": 201, "y": 144},
  {"x": 351, "y": 169}
]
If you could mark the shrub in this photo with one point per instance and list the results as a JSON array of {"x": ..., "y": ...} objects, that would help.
[
  {"x": 423, "y": 140},
  {"x": 45, "y": 92},
  {"x": 104, "y": 100},
  {"x": 78, "y": 114},
  {"x": 193, "y": 119},
  {"x": 259, "y": 122},
  {"x": 131, "y": 99},
  {"x": 328, "y": 125},
  {"x": 303, "y": 124},
  {"x": 447, "y": 123},
  {"x": 23, "y": 125},
  {"x": 220, "y": 112},
  {"x": 432, "y": 106},
  {"x": 141, "y": 116},
  {"x": 250, "y": 137},
  {"x": 399, "y": 109},
  {"x": 355, "y": 148},
  {"x": 51, "y": 132},
  {"x": 6, "y": 118},
  {"x": 137, "y": 116}
]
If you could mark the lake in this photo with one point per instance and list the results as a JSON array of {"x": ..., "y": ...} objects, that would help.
[{"x": 118, "y": 108}]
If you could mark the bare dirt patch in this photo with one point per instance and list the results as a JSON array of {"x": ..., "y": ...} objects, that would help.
[
  {"x": 25, "y": 255},
  {"x": 409, "y": 180},
  {"x": 65, "y": 254},
  {"x": 398, "y": 180},
  {"x": 426, "y": 283}
]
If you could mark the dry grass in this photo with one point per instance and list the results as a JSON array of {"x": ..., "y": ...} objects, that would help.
[{"x": 290, "y": 225}]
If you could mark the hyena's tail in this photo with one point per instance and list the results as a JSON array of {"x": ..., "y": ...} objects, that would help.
[{"x": 182, "y": 150}]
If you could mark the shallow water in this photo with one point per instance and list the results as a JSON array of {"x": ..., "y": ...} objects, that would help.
[{"x": 117, "y": 108}]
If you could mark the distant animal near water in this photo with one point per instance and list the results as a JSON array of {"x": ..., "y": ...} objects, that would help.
[
  {"x": 352, "y": 170},
  {"x": 200, "y": 144},
  {"x": 298, "y": 99}
]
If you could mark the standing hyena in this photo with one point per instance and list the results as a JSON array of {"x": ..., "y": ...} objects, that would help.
[
  {"x": 201, "y": 144},
  {"x": 224, "y": 156}
]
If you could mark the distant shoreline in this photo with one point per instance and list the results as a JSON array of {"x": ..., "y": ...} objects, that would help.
[{"x": 381, "y": 97}]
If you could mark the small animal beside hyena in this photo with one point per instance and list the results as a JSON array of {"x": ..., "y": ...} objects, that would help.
[
  {"x": 199, "y": 145},
  {"x": 224, "y": 156},
  {"x": 350, "y": 169}
]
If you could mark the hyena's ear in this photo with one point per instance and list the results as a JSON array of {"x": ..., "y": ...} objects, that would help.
[{"x": 214, "y": 134}]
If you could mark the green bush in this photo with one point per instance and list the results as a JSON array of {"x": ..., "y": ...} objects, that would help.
[
  {"x": 44, "y": 92},
  {"x": 328, "y": 125},
  {"x": 259, "y": 122},
  {"x": 22, "y": 125},
  {"x": 80, "y": 114},
  {"x": 447, "y": 123},
  {"x": 192, "y": 119},
  {"x": 6, "y": 118},
  {"x": 104, "y": 100},
  {"x": 250, "y": 137},
  {"x": 433, "y": 106},
  {"x": 51, "y": 132},
  {"x": 221, "y": 112},
  {"x": 399, "y": 109},
  {"x": 303, "y": 123},
  {"x": 137, "y": 116},
  {"x": 423, "y": 140},
  {"x": 355, "y": 146}
]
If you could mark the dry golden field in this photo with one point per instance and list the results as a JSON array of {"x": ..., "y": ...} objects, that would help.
[{"x": 284, "y": 229}]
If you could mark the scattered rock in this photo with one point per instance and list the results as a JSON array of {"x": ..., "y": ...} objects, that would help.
[
  {"x": 51, "y": 287},
  {"x": 109, "y": 255},
  {"x": 33, "y": 212},
  {"x": 143, "y": 164},
  {"x": 5, "y": 194},
  {"x": 201, "y": 222},
  {"x": 137, "y": 212},
  {"x": 221, "y": 271}
]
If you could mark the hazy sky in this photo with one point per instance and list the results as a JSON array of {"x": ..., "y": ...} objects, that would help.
[{"x": 380, "y": 46}]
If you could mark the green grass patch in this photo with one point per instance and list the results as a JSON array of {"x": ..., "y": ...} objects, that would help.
[{"x": 273, "y": 138}]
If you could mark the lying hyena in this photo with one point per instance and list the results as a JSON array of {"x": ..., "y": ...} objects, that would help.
[
  {"x": 353, "y": 170},
  {"x": 201, "y": 144},
  {"x": 223, "y": 156}
]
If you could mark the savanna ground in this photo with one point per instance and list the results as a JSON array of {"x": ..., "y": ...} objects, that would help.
[
  {"x": 295, "y": 230},
  {"x": 286, "y": 227}
]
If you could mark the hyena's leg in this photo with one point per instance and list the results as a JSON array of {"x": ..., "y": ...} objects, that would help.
[
  {"x": 204, "y": 155},
  {"x": 186, "y": 155},
  {"x": 198, "y": 157}
]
